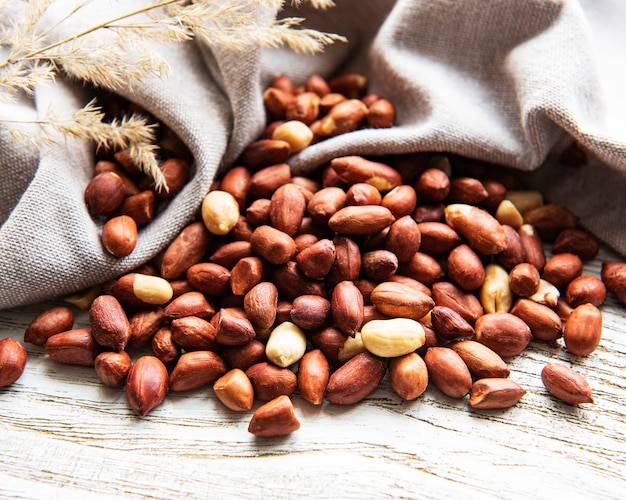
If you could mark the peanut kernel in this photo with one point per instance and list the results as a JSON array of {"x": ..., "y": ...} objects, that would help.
[
  {"x": 294, "y": 132},
  {"x": 393, "y": 337},
  {"x": 286, "y": 344},
  {"x": 547, "y": 294},
  {"x": 495, "y": 292},
  {"x": 507, "y": 213},
  {"x": 152, "y": 289},
  {"x": 220, "y": 212}
]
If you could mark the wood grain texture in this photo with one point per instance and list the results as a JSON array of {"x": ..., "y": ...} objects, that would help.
[{"x": 65, "y": 435}]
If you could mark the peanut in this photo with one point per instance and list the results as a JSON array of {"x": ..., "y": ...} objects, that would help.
[
  {"x": 583, "y": 330},
  {"x": 495, "y": 393},
  {"x": 408, "y": 376},
  {"x": 270, "y": 381},
  {"x": 313, "y": 376},
  {"x": 566, "y": 384},
  {"x": 220, "y": 212},
  {"x": 274, "y": 418},
  {"x": 448, "y": 371},
  {"x": 196, "y": 369},
  {"x": 295, "y": 133},
  {"x": 51, "y": 321},
  {"x": 146, "y": 386},
  {"x": 356, "y": 379},
  {"x": 112, "y": 367},
  {"x": 389, "y": 338},
  {"x": 235, "y": 390},
  {"x": 286, "y": 344},
  {"x": 12, "y": 361}
]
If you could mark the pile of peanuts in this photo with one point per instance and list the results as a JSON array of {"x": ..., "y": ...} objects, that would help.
[
  {"x": 124, "y": 197},
  {"x": 426, "y": 268}
]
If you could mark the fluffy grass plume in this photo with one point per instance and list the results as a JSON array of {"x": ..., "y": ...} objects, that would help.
[{"x": 120, "y": 51}]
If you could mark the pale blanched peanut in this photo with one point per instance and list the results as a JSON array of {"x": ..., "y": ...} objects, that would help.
[
  {"x": 389, "y": 338},
  {"x": 285, "y": 345},
  {"x": 84, "y": 298},
  {"x": 294, "y": 132},
  {"x": 495, "y": 293},
  {"x": 220, "y": 212},
  {"x": 152, "y": 289},
  {"x": 507, "y": 213},
  {"x": 547, "y": 294},
  {"x": 351, "y": 347}
]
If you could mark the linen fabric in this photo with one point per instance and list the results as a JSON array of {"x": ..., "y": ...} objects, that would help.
[{"x": 511, "y": 82}]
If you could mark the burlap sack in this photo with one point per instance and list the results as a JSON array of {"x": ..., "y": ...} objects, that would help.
[{"x": 507, "y": 81}]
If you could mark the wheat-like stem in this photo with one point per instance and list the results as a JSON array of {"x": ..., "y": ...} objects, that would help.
[
  {"x": 202, "y": 17},
  {"x": 317, "y": 4},
  {"x": 131, "y": 132},
  {"x": 227, "y": 23},
  {"x": 37, "y": 53}
]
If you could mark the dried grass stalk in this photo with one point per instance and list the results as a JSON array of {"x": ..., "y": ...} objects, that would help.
[{"x": 126, "y": 56}]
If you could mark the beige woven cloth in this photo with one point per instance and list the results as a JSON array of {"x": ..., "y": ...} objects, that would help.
[{"x": 508, "y": 81}]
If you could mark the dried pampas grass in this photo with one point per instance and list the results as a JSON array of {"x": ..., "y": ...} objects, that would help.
[{"x": 120, "y": 51}]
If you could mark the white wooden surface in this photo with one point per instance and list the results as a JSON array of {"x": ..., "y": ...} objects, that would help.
[{"x": 64, "y": 435}]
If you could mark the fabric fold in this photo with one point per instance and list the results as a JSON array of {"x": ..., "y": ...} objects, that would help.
[{"x": 509, "y": 83}]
